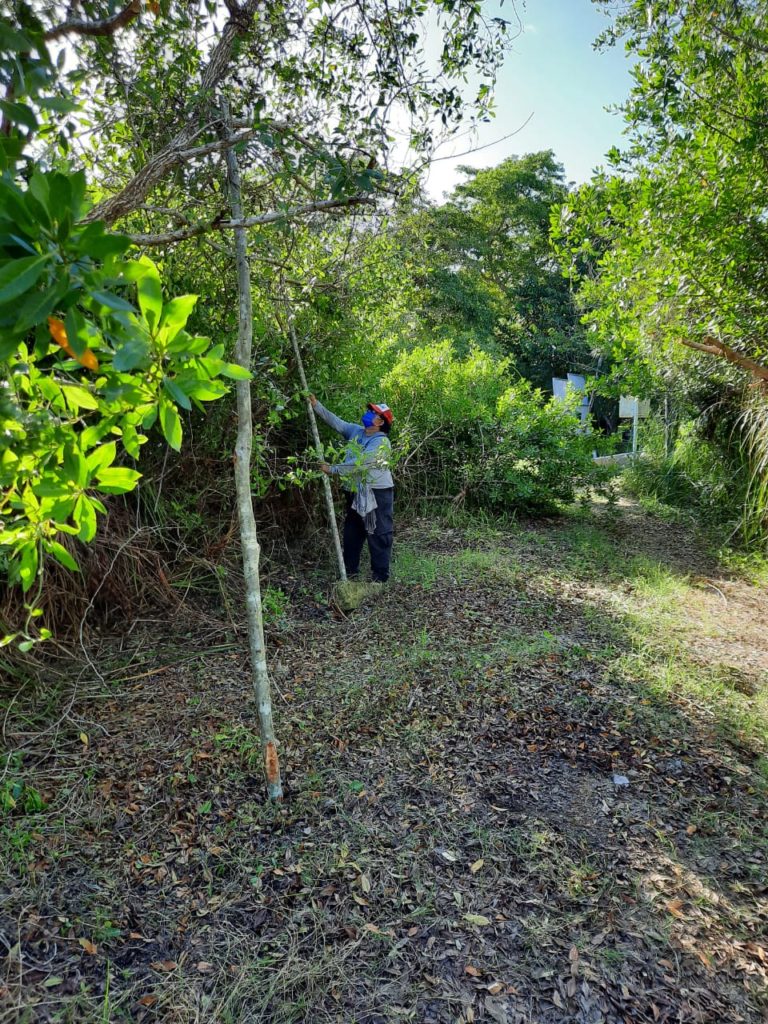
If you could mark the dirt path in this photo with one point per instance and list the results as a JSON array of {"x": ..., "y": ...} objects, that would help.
[{"x": 526, "y": 787}]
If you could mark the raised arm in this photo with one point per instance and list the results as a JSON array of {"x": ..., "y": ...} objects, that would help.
[{"x": 347, "y": 430}]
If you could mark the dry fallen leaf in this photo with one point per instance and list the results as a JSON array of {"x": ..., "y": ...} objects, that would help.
[
  {"x": 147, "y": 1000},
  {"x": 495, "y": 988},
  {"x": 675, "y": 907},
  {"x": 476, "y": 866},
  {"x": 365, "y": 883},
  {"x": 203, "y": 966},
  {"x": 84, "y": 739},
  {"x": 691, "y": 829},
  {"x": 472, "y": 971},
  {"x": 88, "y": 946},
  {"x": 164, "y": 965}
]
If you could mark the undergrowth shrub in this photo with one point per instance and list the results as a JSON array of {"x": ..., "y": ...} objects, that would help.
[
  {"x": 706, "y": 477},
  {"x": 467, "y": 431}
]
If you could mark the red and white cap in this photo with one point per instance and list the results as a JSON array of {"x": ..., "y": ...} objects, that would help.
[{"x": 383, "y": 410}]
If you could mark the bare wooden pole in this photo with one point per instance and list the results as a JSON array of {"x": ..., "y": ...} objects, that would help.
[
  {"x": 319, "y": 449},
  {"x": 243, "y": 447}
]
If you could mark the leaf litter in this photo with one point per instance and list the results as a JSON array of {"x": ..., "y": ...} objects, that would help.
[{"x": 452, "y": 848}]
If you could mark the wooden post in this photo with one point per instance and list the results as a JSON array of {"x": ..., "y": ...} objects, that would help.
[{"x": 243, "y": 448}]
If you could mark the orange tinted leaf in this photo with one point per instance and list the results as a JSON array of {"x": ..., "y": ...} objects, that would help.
[
  {"x": 472, "y": 971},
  {"x": 59, "y": 335},
  {"x": 147, "y": 1000},
  {"x": 164, "y": 965},
  {"x": 88, "y": 946},
  {"x": 88, "y": 360},
  {"x": 675, "y": 907}
]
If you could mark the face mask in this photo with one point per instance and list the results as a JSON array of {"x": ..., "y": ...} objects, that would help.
[{"x": 368, "y": 418}]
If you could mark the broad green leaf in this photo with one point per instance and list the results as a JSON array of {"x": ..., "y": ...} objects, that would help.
[
  {"x": 179, "y": 396},
  {"x": 78, "y": 184},
  {"x": 10, "y": 39},
  {"x": 37, "y": 197},
  {"x": 74, "y": 467},
  {"x": 61, "y": 554},
  {"x": 148, "y": 420},
  {"x": 52, "y": 487},
  {"x": 40, "y": 305},
  {"x": 185, "y": 344},
  {"x": 117, "y": 480},
  {"x": 170, "y": 424},
  {"x": 206, "y": 390},
  {"x": 85, "y": 517},
  {"x": 19, "y": 113},
  {"x": 112, "y": 301},
  {"x": 61, "y": 195},
  {"x": 132, "y": 354},
  {"x": 18, "y": 276},
  {"x": 176, "y": 313},
  {"x": 101, "y": 457},
  {"x": 28, "y": 565},
  {"x": 132, "y": 440},
  {"x": 96, "y": 242},
  {"x": 235, "y": 372},
  {"x": 79, "y": 398},
  {"x": 150, "y": 294}
]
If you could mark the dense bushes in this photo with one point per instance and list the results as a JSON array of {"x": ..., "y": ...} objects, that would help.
[{"x": 467, "y": 431}]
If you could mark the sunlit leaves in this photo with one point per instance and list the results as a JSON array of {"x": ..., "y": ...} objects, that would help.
[
  {"x": 150, "y": 294},
  {"x": 170, "y": 423},
  {"x": 106, "y": 354}
]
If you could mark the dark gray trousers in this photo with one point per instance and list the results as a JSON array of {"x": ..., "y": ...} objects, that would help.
[{"x": 379, "y": 542}]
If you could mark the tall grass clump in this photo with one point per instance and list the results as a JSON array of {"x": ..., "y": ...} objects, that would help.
[{"x": 713, "y": 468}]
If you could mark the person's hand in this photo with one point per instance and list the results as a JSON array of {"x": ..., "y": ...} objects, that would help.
[
  {"x": 313, "y": 401},
  {"x": 325, "y": 468}
]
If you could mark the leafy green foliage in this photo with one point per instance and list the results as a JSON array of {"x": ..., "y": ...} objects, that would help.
[
  {"x": 669, "y": 248},
  {"x": 487, "y": 269},
  {"x": 86, "y": 367},
  {"x": 472, "y": 433}
]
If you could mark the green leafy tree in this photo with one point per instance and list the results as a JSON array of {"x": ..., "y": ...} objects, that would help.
[
  {"x": 670, "y": 247},
  {"x": 489, "y": 273}
]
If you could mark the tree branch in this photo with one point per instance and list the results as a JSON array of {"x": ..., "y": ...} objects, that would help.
[
  {"x": 105, "y": 27},
  {"x": 713, "y": 347},
  {"x": 273, "y": 217},
  {"x": 169, "y": 156}
]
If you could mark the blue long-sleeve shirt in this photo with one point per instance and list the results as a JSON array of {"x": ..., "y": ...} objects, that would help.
[{"x": 367, "y": 455}]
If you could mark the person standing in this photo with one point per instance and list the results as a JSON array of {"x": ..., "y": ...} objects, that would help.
[{"x": 367, "y": 480}]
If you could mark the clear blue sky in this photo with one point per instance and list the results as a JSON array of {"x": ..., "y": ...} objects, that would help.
[{"x": 552, "y": 73}]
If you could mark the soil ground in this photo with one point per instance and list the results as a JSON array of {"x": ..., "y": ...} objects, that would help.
[{"x": 526, "y": 785}]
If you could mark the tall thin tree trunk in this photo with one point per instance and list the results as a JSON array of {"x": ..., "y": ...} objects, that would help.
[
  {"x": 319, "y": 449},
  {"x": 243, "y": 446}
]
